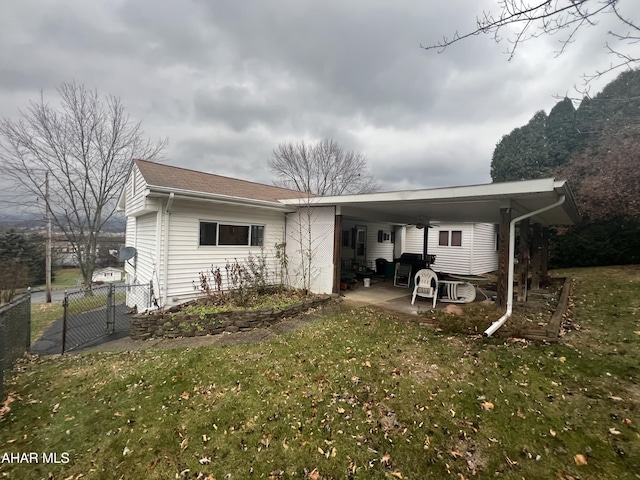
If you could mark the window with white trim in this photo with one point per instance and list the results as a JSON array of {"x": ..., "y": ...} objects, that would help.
[
  {"x": 225, "y": 234},
  {"x": 451, "y": 238}
]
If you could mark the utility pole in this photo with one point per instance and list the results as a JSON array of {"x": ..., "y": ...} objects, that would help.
[{"x": 48, "y": 247}]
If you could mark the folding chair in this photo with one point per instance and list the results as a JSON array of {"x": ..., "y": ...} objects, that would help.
[{"x": 402, "y": 275}]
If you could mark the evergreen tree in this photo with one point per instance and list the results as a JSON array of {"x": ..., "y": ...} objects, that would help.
[
  {"x": 25, "y": 250},
  {"x": 522, "y": 154},
  {"x": 561, "y": 132}
]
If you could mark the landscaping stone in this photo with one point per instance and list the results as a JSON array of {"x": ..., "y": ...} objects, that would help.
[{"x": 173, "y": 324}]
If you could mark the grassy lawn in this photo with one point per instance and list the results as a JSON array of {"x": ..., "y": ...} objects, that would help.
[
  {"x": 362, "y": 394},
  {"x": 66, "y": 277},
  {"x": 43, "y": 315}
]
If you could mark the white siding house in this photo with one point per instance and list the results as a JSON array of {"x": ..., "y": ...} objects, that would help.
[
  {"x": 183, "y": 222},
  {"x": 460, "y": 248},
  {"x": 108, "y": 274}
]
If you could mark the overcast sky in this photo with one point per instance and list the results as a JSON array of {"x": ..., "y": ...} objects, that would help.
[{"x": 227, "y": 81}]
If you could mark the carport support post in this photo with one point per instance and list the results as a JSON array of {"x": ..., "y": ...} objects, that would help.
[
  {"x": 536, "y": 256},
  {"x": 425, "y": 241},
  {"x": 524, "y": 260},
  {"x": 544, "y": 264},
  {"x": 503, "y": 256},
  {"x": 337, "y": 250}
]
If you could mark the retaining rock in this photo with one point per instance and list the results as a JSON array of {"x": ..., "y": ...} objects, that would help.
[{"x": 173, "y": 324}]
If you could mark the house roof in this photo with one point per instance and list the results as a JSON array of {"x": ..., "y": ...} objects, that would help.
[
  {"x": 107, "y": 269},
  {"x": 473, "y": 203},
  {"x": 182, "y": 179}
]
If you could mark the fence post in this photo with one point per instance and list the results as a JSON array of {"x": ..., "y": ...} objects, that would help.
[
  {"x": 65, "y": 304},
  {"x": 29, "y": 320},
  {"x": 111, "y": 310}
]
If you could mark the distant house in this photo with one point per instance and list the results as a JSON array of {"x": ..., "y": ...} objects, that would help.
[
  {"x": 181, "y": 222},
  {"x": 108, "y": 274}
]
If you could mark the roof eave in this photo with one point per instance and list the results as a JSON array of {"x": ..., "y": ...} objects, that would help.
[
  {"x": 155, "y": 190},
  {"x": 562, "y": 188},
  {"x": 467, "y": 191}
]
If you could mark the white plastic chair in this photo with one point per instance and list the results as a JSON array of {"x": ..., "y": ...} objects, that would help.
[{"x": 426, "y": 285}]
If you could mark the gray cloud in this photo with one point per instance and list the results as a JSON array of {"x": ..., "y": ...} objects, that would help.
[{"x": 229, "y": 80}]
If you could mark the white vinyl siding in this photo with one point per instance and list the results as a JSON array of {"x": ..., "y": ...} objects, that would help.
[
  {"x": 322, "y": 221},
  {"x": 136, "y": 202},
  {"x": 485, "y": 255},
  {"x": 451, "y": 259},
  {"x": 414, "y": 242},
  {"x": 476, "y": 255},
  {"x": 130, "y": 241},
  {"x": 145, "y": 244},
  {"x": 187, "y": 257}
]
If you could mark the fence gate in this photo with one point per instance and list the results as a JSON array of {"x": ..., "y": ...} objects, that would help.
[{"x": 102, "y": 311}]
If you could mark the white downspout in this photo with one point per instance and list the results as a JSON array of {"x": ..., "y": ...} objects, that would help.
[
  {"x": 165, "y": 259},
  {"x": 512, "y": 250}
]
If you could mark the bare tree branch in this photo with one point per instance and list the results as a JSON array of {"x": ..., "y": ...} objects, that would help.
[
  {"x": 534, "y": 19},
  {"x": 86, "y": 147},
  {"x": 323, "y": 168}
]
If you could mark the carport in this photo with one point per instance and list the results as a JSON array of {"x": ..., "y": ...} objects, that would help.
[{"x": 542, "y": 203}]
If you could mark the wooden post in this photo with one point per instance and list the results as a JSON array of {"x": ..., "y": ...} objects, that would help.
[
  {"x": 544, "y": 254},
  {"x": 524, "y": 260},
  {"x": 337, "y": 252},
  {"x": 503, "y": 255},
  {"x": 536, "y": 256}
]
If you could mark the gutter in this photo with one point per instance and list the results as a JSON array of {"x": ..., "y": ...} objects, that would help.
[
  {"x": 165, "y": 259},
  {"x": 512, "y": 250},
  {"x": 155, "y": 191}
]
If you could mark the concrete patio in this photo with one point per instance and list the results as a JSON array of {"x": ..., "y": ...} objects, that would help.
[{"x": 398, "y": 299}]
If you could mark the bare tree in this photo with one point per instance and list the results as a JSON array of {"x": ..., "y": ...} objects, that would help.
[
  {"x": 533, "y": 19},
  {"x": 85, "y": 148},
  {"x": 322, "y": 168}
]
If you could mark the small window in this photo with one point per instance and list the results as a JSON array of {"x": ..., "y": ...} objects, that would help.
[
  {"x": 257, "y": 235},
  {"x": 233, "y": 234},
  {"x": 208, "y": 233},
  {"x": 456, "y": 238},
  {"x": 213, "y": 233}
]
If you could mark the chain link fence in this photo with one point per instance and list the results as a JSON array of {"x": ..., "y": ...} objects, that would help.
[
  {"x": 102, "y": 311},
  {"x": 15, "y": 334}
]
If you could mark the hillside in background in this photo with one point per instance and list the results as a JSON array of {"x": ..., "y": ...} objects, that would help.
[
  {"x": 597, "y": 148},
  {"x": 35, "y": 222}
]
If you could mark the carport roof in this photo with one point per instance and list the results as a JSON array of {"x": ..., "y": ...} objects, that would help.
[{"x": 473, "y": 203}]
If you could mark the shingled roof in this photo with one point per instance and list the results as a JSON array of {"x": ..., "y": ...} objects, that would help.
[{"x": 159, "y": 175}]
